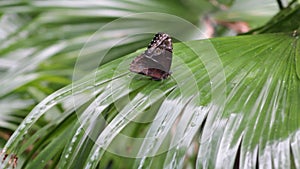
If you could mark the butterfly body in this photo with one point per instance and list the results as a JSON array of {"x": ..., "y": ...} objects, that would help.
[{"x": 156, "y": 60}]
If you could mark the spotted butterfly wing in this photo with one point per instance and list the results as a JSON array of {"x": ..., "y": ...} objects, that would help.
[{"x": 156, "y": 60}]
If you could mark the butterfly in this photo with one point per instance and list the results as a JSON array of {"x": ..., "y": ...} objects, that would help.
[{"x": 156, "y": 60}]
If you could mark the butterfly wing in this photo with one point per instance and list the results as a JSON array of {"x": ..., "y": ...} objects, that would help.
[{"x": 156, "y": 60}]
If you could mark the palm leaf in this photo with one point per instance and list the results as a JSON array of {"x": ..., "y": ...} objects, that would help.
[
  {"x": 246, "y": 111},
  {"x": 231, "y": 102}
]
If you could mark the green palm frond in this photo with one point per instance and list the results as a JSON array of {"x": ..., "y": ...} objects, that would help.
[
  {"x": 230, "y": 102},
  {"x": 259, "y": 113}
]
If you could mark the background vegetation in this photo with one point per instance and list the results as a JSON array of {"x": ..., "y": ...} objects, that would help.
[{"x": 232, "y": 101}]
